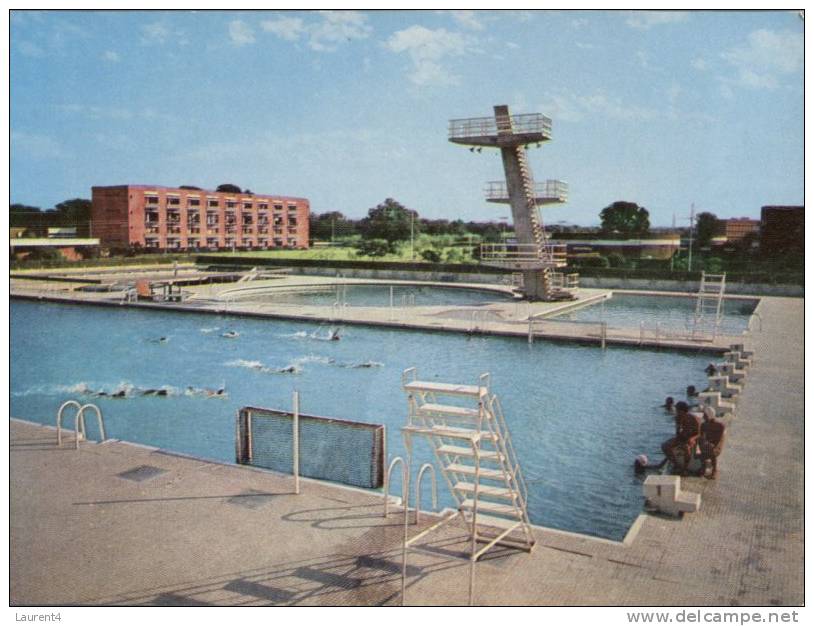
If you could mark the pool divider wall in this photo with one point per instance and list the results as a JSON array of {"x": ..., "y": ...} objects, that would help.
[{"x": 332, "y": 449}]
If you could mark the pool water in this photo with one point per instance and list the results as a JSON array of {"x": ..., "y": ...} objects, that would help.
[
  {"x": 577, "y": 415},
  {"x": 373, "y": 295},
  {"x": 672, "y": 312}
]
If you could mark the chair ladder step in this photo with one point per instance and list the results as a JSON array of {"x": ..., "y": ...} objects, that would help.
[{"x": 486, "y": 490}]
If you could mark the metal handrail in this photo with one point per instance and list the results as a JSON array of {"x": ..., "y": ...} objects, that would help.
[
  {"x": 551, "y": 188},
  {"x": 494, "y": 401},
  {"x": 483, "y": 126},
  {"x": 99, "y": 419},
  {"x": 405, "y": 496},
  {"x": 79, "y": 421},
  {"x": 62, "y": 408},
  {"x": 425, "y": 467}
]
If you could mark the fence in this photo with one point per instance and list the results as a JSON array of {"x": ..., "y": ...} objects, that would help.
[{"x": 329, "y": 449}]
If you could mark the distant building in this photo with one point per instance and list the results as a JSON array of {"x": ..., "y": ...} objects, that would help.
[
  {"x": 659, "y": 246},
  {"x": 72, "y": 249},
  {"x": 62, "y": 232},
  {"x": 782, "y": 231},
  {"x": 169, "y": 218},
  {"x": 736, "y": 228}
]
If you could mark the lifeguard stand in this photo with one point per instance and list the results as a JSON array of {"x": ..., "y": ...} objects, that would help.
[{"x": 533, "y": 254}]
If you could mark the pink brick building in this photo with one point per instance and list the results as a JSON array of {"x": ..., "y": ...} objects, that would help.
[{"x": 168, "y": 218}]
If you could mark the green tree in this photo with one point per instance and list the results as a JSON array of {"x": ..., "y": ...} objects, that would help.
[
  {"x": 228, "y": 188},
  {"x": 431, "y": 256},
  {"x": 390, "y": 221},
  {"x": 330, "y": 226},
  {"x": 705, "y": 225},
  {"x": 625, "y": 219},
  {"x": 375, "y": 247},
  {"x": 74, "y": 213}
]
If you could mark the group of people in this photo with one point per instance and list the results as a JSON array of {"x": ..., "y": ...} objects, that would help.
[{"x": 692, "y": 432}]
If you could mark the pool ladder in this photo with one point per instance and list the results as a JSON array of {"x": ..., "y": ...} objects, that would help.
[
  {"x": 79, "y": 421},
  {"x": 474, "y": 450}
]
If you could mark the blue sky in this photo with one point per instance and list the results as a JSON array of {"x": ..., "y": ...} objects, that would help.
[{"x": 349, "y": 108}]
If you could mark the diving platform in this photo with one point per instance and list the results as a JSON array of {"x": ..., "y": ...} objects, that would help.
[
  {"x": 548, "y": 192},
  {"x": 501, "y": 131}
]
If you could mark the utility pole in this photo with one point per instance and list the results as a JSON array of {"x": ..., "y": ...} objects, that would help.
[
  {"x": 692, "y": 224},
  {"x": 412, "y": 235}
]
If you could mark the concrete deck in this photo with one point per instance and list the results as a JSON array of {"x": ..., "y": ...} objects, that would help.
[
  {"x": 506, "y": 317},
  {"x": 203, "y": 533}
]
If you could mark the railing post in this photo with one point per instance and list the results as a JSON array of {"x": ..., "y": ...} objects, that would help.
[
  {"x": 296, "y": 443},
  {"x": 425, "y": 467}
]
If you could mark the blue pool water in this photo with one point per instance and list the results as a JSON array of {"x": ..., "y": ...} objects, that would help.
[
  {"x": 672, "y": 312},
  {"x": 374, "y": 295},
  {"x": 577, "y": 415}
]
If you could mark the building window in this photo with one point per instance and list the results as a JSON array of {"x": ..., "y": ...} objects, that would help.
[
  {"x": 213, "y": 203},
  {"x": 173, "y": 201},
  {"x": 231, "y": 204},
  {"x": 278, "y": 207},
  {"x": 292, "y": 207},
  {"x": 247, "y": 205},
  {"x": 193, "y": 202},
  {"x": 151, "y": 200},
  {"x": 263, "y": 206}
]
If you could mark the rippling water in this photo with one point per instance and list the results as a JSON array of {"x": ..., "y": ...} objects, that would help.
[
  {"x": 672, "y": 312},
  {"x": 577, "y": 415}
]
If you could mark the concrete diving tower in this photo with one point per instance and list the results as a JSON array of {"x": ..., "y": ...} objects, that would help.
[{"x": 534, "y": 255}]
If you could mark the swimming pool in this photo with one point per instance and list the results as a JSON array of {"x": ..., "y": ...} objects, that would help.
[
  {"x": 577, "y": 415},
  {"x": 671, "y": 312},
  {"x": 369, "y": 295}
]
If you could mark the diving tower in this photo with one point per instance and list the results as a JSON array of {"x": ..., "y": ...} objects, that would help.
[{"x": 533, "y": 254}]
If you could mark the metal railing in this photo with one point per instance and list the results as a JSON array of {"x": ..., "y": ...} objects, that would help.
[
  {"x": 484, "y": 126},
  {"x": 550, "y": 189},
  {"x": 546, "y": 252},
  {"x": 79, "y": 421},
  {"x": 424, "y": 468},
  {"x": 405, "y": 485}
]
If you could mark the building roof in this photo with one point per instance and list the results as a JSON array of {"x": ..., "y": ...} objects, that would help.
[{"x": 202, "y": 191}]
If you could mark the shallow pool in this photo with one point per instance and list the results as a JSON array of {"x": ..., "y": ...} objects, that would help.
[
  {"x": 672, "y": 312},
  {"x": 371, "y": 295},
  {"x": 577, "y": 415}
]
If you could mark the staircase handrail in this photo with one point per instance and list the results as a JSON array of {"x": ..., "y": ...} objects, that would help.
[{"x": 511, "y": 454}]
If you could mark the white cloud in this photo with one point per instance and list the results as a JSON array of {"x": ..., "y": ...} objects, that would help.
[
  {"x": 467, "y": 19},
  {"x": 765, "y": 58},
  {"x": 156, "y": 32},
  {"x": 333, "y": 29},
  {"x": 338, "y": 27},
  {"x": 36, "y": 146},
  {"x": 288, "y": 28},
  {"x": 512, "y": 45},
  {"x": 427, "y": 49},
  {"x": 700, "y": 64},
  {"x": 240, "y": 33},
  {"x": 111, "y": 56},
  {"x": 572, "y": 107},
  {"x": 645, "y": 20},
  {"x": 95, "y": 112}
]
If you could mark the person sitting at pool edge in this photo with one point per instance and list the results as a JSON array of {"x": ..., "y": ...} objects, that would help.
[
  {"x": 710, "y": 443},
  {"x": 687, "y": 431}
]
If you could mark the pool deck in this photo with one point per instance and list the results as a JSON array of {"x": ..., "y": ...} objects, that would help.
[
  {"x": 506, "y": 318},
  {"x": 204, "y": 533}
]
